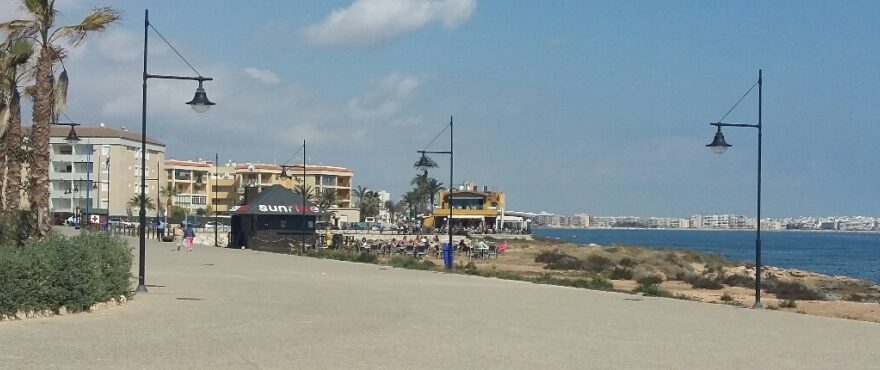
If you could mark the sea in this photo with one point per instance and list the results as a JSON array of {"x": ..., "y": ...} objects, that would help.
[{"x": 833, "y": 253}]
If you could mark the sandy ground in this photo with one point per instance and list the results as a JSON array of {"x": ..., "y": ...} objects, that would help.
[{"x": 521, "y": 256}]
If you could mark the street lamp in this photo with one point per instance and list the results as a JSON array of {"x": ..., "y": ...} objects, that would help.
[
  {"x": 71, "y": 139},
  {"x": 199, "y": 103},
  {"x": 302, "y": 192},
  {"x": 719, "y": 145},
  {"x": 422, "y": 165}
]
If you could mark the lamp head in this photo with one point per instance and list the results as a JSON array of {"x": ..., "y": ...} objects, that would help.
[
  {"x": 200, "y": 102},
  {"x": 72, "y": 137},
  {"x": 718, "y": 145},
  {"x": 424, "y": 164}
]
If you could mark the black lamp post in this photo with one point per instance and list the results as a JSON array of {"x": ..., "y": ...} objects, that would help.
[
  {"x": 422, "y": 165},
  {"x": 199, "y": 103},
  {"x": 719, "y": 145},
  {"x": 302, "y": 192}
]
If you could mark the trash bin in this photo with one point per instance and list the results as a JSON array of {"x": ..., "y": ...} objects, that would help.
[{"x": 447, "y": 256}]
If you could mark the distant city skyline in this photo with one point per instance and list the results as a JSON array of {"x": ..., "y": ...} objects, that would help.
[{"x": 564, "y": 106}]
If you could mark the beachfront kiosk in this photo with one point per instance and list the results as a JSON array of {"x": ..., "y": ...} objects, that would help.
[
  {"x": 273, "y": 221},
  {"x": 472, "y": 208}
]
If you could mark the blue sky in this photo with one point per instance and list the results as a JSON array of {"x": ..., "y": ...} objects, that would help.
[{"x": 568, "y": 106}]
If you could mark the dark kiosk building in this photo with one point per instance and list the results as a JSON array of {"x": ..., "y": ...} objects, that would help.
[{"x": 273, "y": 221}]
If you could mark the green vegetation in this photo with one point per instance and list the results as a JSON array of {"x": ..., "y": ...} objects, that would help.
[
  {"x": 72, "y": 272},
  {"x": 792, "y": 289},
  {"x": 407, "y": 262}
]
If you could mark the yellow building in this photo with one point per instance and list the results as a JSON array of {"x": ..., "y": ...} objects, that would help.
[
  {"x": 197, "y": 182},
  {"x": 472, "y": 207}
]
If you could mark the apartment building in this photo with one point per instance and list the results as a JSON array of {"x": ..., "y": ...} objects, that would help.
[
  {"x": 201, "y": 184},
  {"x": 190, "y": 179},
  {"x": 100, "y": 173}
]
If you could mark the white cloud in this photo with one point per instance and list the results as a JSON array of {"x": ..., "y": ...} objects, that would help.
[
  {"x": 385, "y": 100},
  {"x": 263, "y": 75},
  {"x": 371, "y": 22}
]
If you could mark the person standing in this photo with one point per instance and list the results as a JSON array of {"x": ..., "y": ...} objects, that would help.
[{"x": 188, "y": 235}]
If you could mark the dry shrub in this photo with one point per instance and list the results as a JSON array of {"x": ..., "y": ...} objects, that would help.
[
  {"x": 704, "y": 281},
  {"x": 627, "y": 262},
  {"x": 550, "y": 256},
  {"x": 795, "y": 290},
  {"x": 621, "y": 273},
  {"x": 739, "y": 280}
]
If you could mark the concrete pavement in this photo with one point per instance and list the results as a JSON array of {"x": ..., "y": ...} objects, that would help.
[{"x": 227, "y": 308}]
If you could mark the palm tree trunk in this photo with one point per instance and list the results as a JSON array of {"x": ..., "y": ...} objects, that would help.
[
  {"x": 39, "y": 171},
  {"x": 13, "y": 154}
]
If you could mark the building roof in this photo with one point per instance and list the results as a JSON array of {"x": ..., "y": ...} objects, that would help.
[
  {"x": 175, "y": 162},
  {"x": 276, "y": 200},
  {"x": 101, "y": 132},
  {"x": 293, "y": 168}
]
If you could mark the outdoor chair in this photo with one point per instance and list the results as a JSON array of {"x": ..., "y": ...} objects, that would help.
[
  {"x": 492, "y": 252},
  {"x": 421, "y": 251}
]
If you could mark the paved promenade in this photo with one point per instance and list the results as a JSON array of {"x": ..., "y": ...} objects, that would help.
[{"x": 224, "y": 308}]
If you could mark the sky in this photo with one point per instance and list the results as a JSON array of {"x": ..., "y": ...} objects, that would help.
[{"x": 569, "y": 107}]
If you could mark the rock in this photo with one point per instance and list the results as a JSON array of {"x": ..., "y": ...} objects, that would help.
[
  {"x": 31, "y": 314},
  {"x": 111, "y": 302},
  {"x": 46, "y": 313},
  {"x": 3, "y": 317},
  {"x": 122, "y": 299},
  {"x": 62, "y": 311}
]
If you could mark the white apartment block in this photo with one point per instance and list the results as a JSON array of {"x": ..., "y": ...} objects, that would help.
[{"x": 100, "y": 173}]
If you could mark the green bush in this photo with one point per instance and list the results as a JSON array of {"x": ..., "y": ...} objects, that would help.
[
  {"x": 597, "y": 263},
  {"x": 627, "y": 262},
  {"x": 621, "y": 273},
  {"x": 703, "y": 282},
  {"x": 408, "y": 262},
  {"x": 739, "y": 280},
  {"x": 595, "y": 283},
  {"x": 653, "y": 290},
  {"x": 784, "y": 289},
  {"x": 365, "y": 257},
  {"x": 550, "y": 256},
  {"x": 565, "y": 263},
  {"x": 72, "y": 272},
  {"x": 650, "y": 279}
]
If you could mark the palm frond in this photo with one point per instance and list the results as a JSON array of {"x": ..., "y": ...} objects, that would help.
[
  {"x": 20, "y": 28},
  {"x": 19, "y": 52},
  {"x": 59, "y": 94},
  {"x": 30, "y": 91},
  {"x": 96, "y": 21}
]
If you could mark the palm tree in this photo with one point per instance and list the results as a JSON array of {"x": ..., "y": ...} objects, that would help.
[
  {"x": 432, "y": 187},
  {"x": 135, "y": 202},
  {"x": 40, "y": 27},
  {"x": 14, "y": 55},
  {"x": 169, "y": 191},
  {"x": 327, "y": 199},
  {"x": 369, "y": 205},
  {"x": 359, "y": 193},
  {"x": 305, "y": 189}
]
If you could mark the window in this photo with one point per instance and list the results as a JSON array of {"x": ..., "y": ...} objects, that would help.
[
  {"x": 199, "y": 200},
  {"x": 327, "y": 180},
  {"x": 65, "y": 149}
]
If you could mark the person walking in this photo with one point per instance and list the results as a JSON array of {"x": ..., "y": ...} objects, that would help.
[
  {"x": 188, "y": 235},
  {"x": 160, "y": 230}
]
